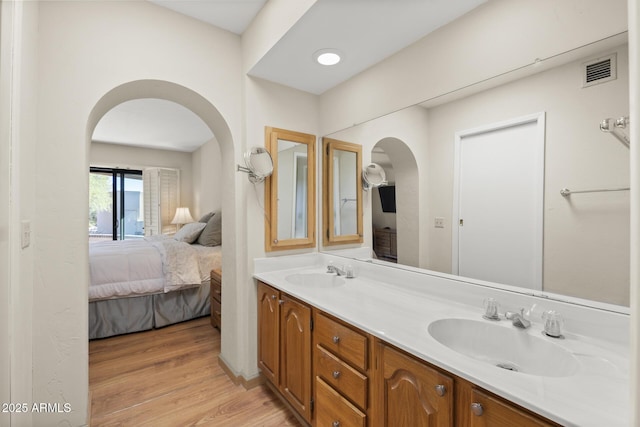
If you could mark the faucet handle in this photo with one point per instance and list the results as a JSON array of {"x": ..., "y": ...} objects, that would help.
[
  {"x": 553, "y": 324},
  {"x": 491, "y": 309}
]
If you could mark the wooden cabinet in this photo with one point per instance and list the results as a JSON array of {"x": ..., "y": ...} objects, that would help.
[
  {"x": 216, "y": 298},
  {"x": 385, "y": 244},
  {"x": 359, "y": 380},
  {"x": 341, "y": 368},
  {"x": 284, "y": 346},
  {"x": 412, "y": 393},
  {"x": 490, "y": 411}
]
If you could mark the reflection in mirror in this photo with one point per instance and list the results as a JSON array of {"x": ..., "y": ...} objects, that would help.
[
  {"x": 290, "y": 191},
  {"x": 342, "y": 190},
  {"x": 373, "y": 176},
  {"x": 585, "y": 237}
]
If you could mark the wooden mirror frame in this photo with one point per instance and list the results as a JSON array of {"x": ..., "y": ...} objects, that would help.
[
  {"x": 272, "y": 243},
  {"x": 328, "y": 236}
]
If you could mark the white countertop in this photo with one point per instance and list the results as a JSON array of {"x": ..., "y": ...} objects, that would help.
[{"x": 398, "y": 307}]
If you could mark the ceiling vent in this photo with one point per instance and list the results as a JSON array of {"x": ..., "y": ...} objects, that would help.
[{"x": 599, "y": 70}]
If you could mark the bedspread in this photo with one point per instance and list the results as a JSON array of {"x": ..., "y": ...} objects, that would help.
[{"x": 144, "y": 266}]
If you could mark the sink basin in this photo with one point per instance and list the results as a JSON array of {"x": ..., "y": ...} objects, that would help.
[
  {"x": 316, "y": 280},
  {"x": 504, "y": 346}
]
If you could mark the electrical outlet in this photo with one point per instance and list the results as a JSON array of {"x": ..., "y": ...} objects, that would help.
[
  {"x": 439, "y": 222},
  {"x": 25, "y": 232}
]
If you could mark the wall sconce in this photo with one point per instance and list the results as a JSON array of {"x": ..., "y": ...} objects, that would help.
[{"x": 183, "y": 216}]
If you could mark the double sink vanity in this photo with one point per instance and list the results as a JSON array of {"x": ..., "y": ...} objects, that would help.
[{"x": 398, "y": 347}]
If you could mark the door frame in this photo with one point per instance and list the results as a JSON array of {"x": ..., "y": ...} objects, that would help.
[{"x": 539, "y": 119}]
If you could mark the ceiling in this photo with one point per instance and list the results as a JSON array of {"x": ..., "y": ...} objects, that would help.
[{"x": 364, "y": 31}]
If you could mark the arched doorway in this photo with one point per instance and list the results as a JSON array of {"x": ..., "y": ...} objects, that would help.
[
  {"x": 402, "y": 173},
  {"x": 232, "y": 263}
]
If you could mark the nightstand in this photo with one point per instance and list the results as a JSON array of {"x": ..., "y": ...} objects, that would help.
[{"x": 216, "y": 298}]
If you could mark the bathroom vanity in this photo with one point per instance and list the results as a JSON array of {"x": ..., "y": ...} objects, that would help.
[{"x": 396, "y": 347}]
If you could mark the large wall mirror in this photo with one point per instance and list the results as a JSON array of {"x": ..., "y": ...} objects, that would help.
[
  {"x": 342, "y": 192},
  {"x": 584, "y": 235},
  {"x": 290, "y": 190}
]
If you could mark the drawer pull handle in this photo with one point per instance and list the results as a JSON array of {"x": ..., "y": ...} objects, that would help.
[
  {"x": 441, "y": 390},
  {"x": 477, "y": 409},
  {"x": 336, "y": 339},
  {"x": 336, "y": 424},
  {"x": 336, "y": 374}
]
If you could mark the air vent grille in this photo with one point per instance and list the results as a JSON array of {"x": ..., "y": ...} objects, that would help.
[{"x": 599, "y": 71}]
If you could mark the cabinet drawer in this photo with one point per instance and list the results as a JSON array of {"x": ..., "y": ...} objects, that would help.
[
  {"x": 343, "y": 341},
  {"x": 334, "y": 410},
  {"x": 216, "y": 313},
  {"x": 216, "y": 291},
  {"x": 495, "y": 412},
  {"x": 342, "y": 377}
]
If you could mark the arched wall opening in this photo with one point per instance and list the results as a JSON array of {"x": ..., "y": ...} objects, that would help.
[
  {"x": 404, "y": 169},
  {"x": 231, "y": 261}
]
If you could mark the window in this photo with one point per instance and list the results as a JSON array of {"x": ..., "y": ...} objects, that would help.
[{"x": 115, "y": 204}]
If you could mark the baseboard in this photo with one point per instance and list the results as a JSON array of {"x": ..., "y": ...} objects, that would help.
[
  {"x": 89, "y": 409},
  {"x": 239, "y": 379}
]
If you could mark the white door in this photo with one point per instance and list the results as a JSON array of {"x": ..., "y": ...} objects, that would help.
[{"x": 499, "y": 202}]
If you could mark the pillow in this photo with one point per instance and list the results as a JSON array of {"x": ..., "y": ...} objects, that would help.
[
  {"x": 206, "y": 217},
  {"x": 212, "y": 233},
  {"x": 189, "y": 232}
]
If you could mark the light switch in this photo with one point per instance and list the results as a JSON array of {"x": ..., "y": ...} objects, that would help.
[
  {"x": 439, "y": 223},
  {"x": 25, "y": 232}
]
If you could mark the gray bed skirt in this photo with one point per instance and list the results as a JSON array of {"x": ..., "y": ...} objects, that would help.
[{"x": 125, "y": 315}]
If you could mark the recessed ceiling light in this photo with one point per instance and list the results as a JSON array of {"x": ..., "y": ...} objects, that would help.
[{"x": 327, "y": 56}]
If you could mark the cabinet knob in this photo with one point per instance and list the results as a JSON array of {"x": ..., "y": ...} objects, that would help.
[
  {"x": 281, "y": 302},
  {"x": 336, "y": 374},
  {"x": 336, "y": 339},
  {"x": 477, "y": 409},
  {"x": 273, "y": 296},
  {"x": 336, "y": 424},
  {"x": 441, "y": 390}
]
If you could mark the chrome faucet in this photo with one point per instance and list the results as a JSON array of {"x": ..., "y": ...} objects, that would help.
[
  {"x": 335, "y": 269},
  {"x": 341, "y": 271},
  {"x": 518, "y": 319}
]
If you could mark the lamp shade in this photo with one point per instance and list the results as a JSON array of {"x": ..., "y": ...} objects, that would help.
[{"x": 183, "y": 216}]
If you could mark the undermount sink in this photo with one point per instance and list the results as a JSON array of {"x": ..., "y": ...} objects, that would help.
[
  {"x": 317, "y": 280},
  {"x": 505, "y": 347}
]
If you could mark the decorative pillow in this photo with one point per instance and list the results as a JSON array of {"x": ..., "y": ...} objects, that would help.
[
  {"x": 206, "y": 217},
  {"x": 189, "y": 232},
  {"x": 212, "y": 233}
]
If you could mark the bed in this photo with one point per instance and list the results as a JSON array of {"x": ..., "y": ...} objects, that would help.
[{"x": 148, "y": 283}]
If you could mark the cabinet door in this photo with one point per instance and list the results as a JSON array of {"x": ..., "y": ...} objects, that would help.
[
  {"x": 487, "y": 411},
  {"x": 295, "y": 355},
  {"x": 268, "y": 332},
  {"x": 414, "y": 394}
]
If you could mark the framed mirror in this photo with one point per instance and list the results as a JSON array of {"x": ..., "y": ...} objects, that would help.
[
  {"x": 290, "y": 190},
  {"x": 342, "y": 192}
]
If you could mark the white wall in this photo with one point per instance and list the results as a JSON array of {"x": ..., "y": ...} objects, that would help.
[
  {"x": 586, "y": 236},
  {"x": 207, "y": 179},
  {"x": 266, "y": 104},
  {"x": 18, "y": 84},
  {"x": 125, "y": 157},
  {"x": 100, "y": 46}
]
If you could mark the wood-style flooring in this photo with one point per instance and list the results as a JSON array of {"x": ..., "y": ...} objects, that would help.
[{"x": 171, "y": 377}]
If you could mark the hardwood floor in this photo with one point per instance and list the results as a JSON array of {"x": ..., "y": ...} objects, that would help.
[{"x": 171, "y": 377}]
